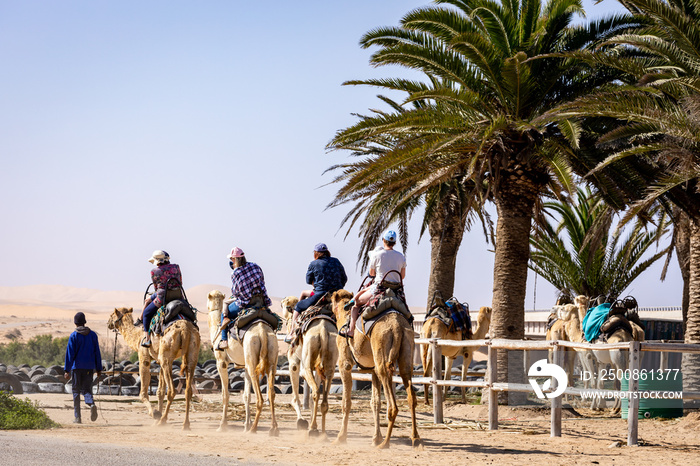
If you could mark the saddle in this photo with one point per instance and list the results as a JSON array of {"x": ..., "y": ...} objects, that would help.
[
  {"x": 175, "y": 307},
  {"x": 389, "y": 295},
  {"x": 453, "y": 314},
  {"x": 323, "y": 309},
  {"x": 251, "y": 315}
]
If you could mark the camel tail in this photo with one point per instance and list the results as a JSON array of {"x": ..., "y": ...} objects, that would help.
[
  {"x": 324, "y": 345},
  {"x": 262, "y": 362},
  {"x": 185, "y": 351},
  {"x": 394, "y": 343}
]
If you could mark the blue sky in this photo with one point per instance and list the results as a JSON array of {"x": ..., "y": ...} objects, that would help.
[{"x": 194, "y": 127}]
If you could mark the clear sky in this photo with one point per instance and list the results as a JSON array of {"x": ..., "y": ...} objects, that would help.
[{"x": 194, "y": 127}]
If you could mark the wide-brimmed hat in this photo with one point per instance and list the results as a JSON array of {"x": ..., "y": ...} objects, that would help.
[
  {"x": 321, "y": 247},
  {"x": 158, "y": 257},
  {"x": 235, "y": 252}
]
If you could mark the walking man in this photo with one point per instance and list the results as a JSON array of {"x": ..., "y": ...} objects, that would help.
[{"x": 82, "y": 359}]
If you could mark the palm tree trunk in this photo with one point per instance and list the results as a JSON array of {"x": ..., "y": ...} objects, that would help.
[
  {"x": 682, "y": 245},
  {"x": 446, "y": 229},
  {"x": 515, "y": 210},
  {"x": 690, "y": 364}
]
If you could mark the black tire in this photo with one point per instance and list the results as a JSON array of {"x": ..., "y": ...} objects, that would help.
[
  {"x": 44, "y": 378},
  {"x": 21, "y": 375},
  {"x": 12, "y": 381}
]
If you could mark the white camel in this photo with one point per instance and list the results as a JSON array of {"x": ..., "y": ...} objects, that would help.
[
  {"x": 257, "y": 353},
  {"x": 316, "y": 354}
]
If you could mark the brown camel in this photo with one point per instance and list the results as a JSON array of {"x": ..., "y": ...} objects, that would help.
[
  {"x": 257, "y": 353},
  {"x": 436, "y": 328},
  {"x": 316, "y": 352},
  {"x": 390, "y": 345},
  {"x": 180, "y": 339}
]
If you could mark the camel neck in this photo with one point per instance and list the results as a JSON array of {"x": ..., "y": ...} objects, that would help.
[{"x": 132, "y": 334}]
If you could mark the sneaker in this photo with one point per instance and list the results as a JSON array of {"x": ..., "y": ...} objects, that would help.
[
  {"x": 77, "y": 421},
  {"x": 93, "y": 412},
  {"x": 288, "y": 338},
  {"x": 146, "y": 342},
  {"x": 223, "y": 344}
]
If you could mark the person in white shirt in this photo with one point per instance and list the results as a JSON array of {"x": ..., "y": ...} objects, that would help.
[{"x": 386, "y": 264}]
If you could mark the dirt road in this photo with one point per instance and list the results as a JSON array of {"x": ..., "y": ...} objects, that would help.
[{"x": 523, "y": 436}]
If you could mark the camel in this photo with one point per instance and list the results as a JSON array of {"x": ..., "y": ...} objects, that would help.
[
  {"x": 436, "y": 328},
  {"x": 557, "y": 331},
  {"x": 390, "y": 345},
  {"x": 257, "y": 353},
  {"x": 317, "y": 351},
  {"x": 617, "y": 358},
  {"x": 180, "y": 339}
]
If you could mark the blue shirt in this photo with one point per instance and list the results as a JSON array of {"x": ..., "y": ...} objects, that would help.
[
  {"x": 326, "y": 274},
  {"x": 83, "y": 351}
]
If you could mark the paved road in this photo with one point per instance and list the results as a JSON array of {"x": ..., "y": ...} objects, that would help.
[{"x": 18, "y": 448}]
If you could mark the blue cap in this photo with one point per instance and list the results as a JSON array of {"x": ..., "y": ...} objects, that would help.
[
  {"x": 321, "y": 247},
  {"x": 389, "y": 236}
]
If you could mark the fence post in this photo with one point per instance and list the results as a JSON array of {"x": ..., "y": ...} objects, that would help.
[
  {"x": 492, "y": 371},
  {"x": 633, "y": 403},
  {"x": 557, "y": 402},
  {"x": 437, "y": 375}
]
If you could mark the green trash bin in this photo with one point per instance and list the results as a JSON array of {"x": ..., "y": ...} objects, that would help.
[{"x": 653, "y": 407}]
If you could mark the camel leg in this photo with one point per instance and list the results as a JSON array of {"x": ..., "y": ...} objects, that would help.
[
  {"x": 376, "y": 404},
  {"x": 271, "y": 371},
  {"x": 345, "y": 368},
  {"x": 314, "y": 387},
  {"x": 189, "y": 378},
  {"x": 324, "y": 402},
  {"x": 447, "y": 375},
  {"x": 385, "y": 373},
  {"x": 246, "y": 401},
  {"x": 145, "y": 373},
  {"x": 466, "y": 360},
  {"x": 258, "y": 403},
  {"x": 406, "y": 372},
  {"x": 166, "y": 380},
  {"x": 294, "y": 379},
  {"x": 222, "y": 367},
  {"x": 160, "y": 392},
  {"x": 427, "y": 358}
]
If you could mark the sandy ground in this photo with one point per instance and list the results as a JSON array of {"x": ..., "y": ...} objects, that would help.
[{"x": 523, "y": 436}]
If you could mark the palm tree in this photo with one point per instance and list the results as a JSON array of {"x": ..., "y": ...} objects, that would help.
[
  {"x": 498, "y": 70},
  {"x": 594, "y": 262}
]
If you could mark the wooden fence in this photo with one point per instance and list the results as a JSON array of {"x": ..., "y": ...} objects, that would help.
[{"x": 635, "y": 348}]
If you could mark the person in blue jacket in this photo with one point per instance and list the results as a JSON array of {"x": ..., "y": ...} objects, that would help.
[
  {"x": 326, "y": 274},
  {"x": 82, "y": 359}
]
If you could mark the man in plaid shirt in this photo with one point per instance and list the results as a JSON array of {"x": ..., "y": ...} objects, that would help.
[{"x": 247, "y": 280}]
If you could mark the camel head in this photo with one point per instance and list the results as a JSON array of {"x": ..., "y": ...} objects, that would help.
[
  {"x": 288, "y": 305},
  {"x": 118, "y": 315},
  {"x": 339, "y": 299},
  {"x": 484, "y": 317},
  {"x": 215, "y": 300}
]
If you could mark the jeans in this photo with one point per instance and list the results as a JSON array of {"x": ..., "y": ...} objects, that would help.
[
  {"x": 82, "y": 385},
  {"x": 306, "y": 303},
  {"x": 148, "y": 314},
  {"x": 233, "y": 310}
]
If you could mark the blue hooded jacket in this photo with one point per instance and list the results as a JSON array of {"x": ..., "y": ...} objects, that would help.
[{"x": 83, "y": 350}]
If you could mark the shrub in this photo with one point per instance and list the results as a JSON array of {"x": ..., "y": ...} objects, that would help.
[
  {"x": 41, "y": 349},
  {"x": 18, "y": 414}
]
